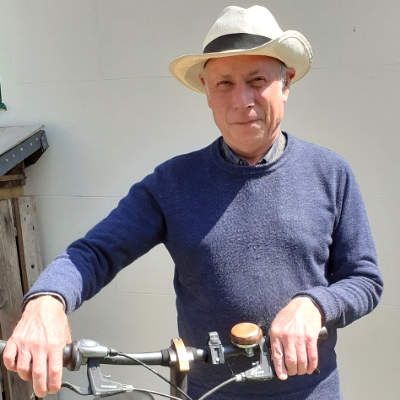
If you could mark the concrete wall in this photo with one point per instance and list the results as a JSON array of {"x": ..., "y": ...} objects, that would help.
[{"x": 95, "y": 73}]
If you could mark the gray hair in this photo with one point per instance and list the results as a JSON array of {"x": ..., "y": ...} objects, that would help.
[{"x": 282, "y": 72}]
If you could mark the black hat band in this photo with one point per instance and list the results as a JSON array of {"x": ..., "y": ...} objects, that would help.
[{"x": 235, "y": 41}]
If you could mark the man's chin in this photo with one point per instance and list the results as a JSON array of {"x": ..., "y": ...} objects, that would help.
[{"x": 249, "y": 136}]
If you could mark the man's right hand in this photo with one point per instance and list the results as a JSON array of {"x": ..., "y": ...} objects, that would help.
[{"x": 35, "y": 348}]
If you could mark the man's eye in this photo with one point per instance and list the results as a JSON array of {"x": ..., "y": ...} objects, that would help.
[
  {"x": 223, "y": 83},
  {"x": 258, "y": 80}
]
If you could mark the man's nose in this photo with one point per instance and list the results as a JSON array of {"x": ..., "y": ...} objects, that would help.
[{"x": 242, "y": 96}]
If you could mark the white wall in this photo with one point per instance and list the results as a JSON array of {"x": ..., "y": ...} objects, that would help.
[{"x": 95, "y": 73}]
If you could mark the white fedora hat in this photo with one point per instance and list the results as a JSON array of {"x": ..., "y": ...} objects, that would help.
[{"x": 245, "y": 31}]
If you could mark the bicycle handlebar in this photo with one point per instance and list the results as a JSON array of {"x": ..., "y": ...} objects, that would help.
[{"x": 252, "y": 343}]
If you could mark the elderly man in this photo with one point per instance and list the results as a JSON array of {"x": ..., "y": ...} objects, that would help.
[{"x": 262, "y": 227}]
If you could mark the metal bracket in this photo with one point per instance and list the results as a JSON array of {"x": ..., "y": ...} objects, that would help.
[
  {"x": 215, "y": 349},
  {"x": 29, "y": 151},
  {"x": 263, "y": 370}
]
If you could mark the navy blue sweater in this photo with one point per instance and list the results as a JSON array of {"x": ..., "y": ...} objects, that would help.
[{"x": 245, "y": 240}]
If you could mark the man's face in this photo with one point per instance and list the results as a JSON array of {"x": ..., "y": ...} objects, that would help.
[{"x": 247, "y": 97}]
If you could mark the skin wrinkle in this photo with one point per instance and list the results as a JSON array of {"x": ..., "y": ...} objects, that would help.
[{"x": 246, "y": 95}]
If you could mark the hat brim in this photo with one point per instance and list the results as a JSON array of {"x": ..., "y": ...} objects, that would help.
[{"x": 292, "y": 48}]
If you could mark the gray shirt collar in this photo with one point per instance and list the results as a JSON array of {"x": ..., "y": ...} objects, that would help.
[{"x": 273, "y": 153}]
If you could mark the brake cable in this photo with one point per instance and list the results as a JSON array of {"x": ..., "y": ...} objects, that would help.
[{"x": 156, "y": 373}]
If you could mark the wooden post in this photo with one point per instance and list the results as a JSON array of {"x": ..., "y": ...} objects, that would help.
[
  {"x": 20, "y": 265},
  {"x": 11, "y": 294}
]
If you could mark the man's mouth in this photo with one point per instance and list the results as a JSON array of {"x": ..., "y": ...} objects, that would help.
[{"x": 247, "y": 122}]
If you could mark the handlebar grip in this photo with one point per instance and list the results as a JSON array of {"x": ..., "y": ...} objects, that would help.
[
  {"x": 323, "y": 333},
  {"x": 69, "y": 361},
  {"x": 3, "y": 344},
  {"x": 72, "y": 359},
  {"x": 67, "y": 354}
]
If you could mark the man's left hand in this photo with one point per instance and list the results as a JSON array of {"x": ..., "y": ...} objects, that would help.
[{"x": 293, "y": 338}]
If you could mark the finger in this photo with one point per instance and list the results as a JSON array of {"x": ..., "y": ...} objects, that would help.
[
  {"x": 39, "y": 374},
  {"x": 290, "y": 355},
  {"x": 277, "y": 358},
  {"x": 10, "y": 356},
  {"x": 312, "y": 355},
  {"x": 301, "y": 354},
  {"x": 55, "y": 364},
  {"x": 24, "y": 360}
]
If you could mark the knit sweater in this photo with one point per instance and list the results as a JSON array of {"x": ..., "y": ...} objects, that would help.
[{"x": 245, "y": 240}]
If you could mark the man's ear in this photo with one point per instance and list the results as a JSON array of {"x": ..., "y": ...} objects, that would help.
[
  {"x": 290, "y": 72},
  {"x": 203, "y": 82}
]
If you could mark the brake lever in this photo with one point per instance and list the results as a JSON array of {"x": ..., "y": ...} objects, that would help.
[
  {"x": 262, "y": 370},
  {"x": 101, "y": 385},
  {"x": 98, "y": 384}
]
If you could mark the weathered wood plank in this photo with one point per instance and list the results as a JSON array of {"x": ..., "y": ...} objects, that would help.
[
  {"x": 10, "y": 294},
  {"x": 12, "y": 184},
  {"x": 11, "y": 192},
  {"x": 28, "y": 240},
  {"x": 12, "y": 177}
]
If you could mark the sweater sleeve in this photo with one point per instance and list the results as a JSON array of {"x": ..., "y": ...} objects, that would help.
[
  {"x": 129, "y": 231},
  {"x": 354, "y": 282}
]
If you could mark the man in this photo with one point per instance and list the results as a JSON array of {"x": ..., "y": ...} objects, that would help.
[{"x": 262, "y": 227}]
